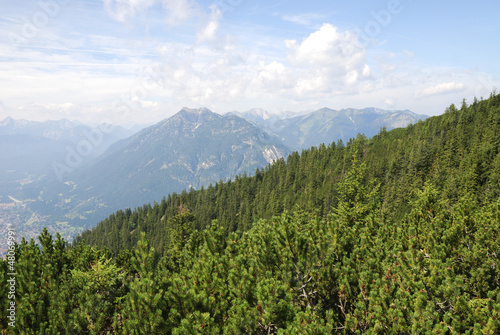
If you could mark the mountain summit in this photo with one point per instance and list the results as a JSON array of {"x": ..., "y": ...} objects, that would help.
[{"x": 191, "y": 149}]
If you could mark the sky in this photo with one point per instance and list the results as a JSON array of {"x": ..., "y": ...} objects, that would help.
[{"x": 140, "y": 61}]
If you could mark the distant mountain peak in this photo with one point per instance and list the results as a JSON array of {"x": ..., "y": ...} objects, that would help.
[
  {"x": 198, "y": 111},
  {"x": 196, "y": 114},
  {"x": 374, "y": 110},
  {"x": 260, "y": 112},
  {"x": 325, "y": 109},
  {"x": 6, "y": 121}
]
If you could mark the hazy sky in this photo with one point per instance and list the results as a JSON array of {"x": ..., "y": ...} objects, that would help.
[{"x": 129, "y": 61}]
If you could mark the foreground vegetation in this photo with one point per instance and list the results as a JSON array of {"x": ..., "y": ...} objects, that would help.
[{"x": 398, "y": 234}]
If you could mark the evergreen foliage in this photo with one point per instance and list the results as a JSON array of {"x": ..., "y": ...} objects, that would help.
[
  {"x": 458, "y": 152},
  {"x": 398, "y": 234}
]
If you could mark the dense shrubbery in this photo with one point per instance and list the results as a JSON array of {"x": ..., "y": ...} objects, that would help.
[{"x": 398, "y": 234}]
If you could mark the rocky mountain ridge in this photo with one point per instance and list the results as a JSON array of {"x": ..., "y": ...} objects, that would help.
[{"x": 327, "y": 125}]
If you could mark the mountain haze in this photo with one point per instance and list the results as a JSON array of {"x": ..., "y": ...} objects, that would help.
[
  {"x": 191, "y": 149},
  {"x": 29, "y": 148},
  {"x": 328, "y": 125}
]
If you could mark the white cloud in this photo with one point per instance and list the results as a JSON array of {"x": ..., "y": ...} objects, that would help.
[
  {"x": 147, "y": 103},
  {"x": 272, "y": 79},
  {"x": 208, "y": 29},
  {"x": 64, "y": 80},
  {"x": 366, "y": 71},
  {"x": 330, "y": 61},
  {"x": 389, "y": 102},
  {"x": 306, "y": 19},
  {"x": 327, "y": 47},
  {"x": 443, "y": 88},
  {"x": 176, "y": 11},
  {"x": 325, "y": 68},
  {"x": 3, "y": 111},
  {"x": 351, "y": 78},
  {"x": 200, "y": 74},
  {"x": 326, "y": 62},
  {"x": 121, "y": 10},
  {"x": 179, "y": 11},
  {"x": 409, "y": 54}
]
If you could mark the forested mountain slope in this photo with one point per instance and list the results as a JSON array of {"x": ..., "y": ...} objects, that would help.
[
  {"x": 457, "y": 152},
  {"x": 399, "y": 234}
]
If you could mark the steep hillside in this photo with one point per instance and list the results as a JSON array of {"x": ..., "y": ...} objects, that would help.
[{"x": 458, "y": 152}]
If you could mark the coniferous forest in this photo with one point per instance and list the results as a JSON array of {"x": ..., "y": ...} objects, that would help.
[{"x": 397, "y": 234}]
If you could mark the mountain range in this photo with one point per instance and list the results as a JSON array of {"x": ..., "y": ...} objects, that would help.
[
  {"x": 83, "y": 174},
  {"x": 327, "y": 125},
  {"x": 191, "y": 149}
]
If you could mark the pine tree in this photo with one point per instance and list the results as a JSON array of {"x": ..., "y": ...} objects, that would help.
[{"x": 141, "y": 310}]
